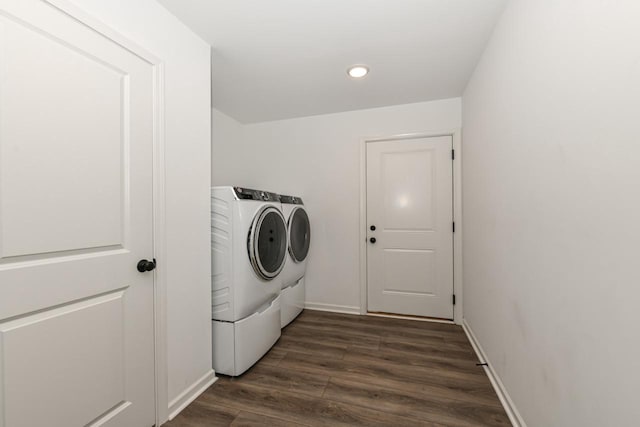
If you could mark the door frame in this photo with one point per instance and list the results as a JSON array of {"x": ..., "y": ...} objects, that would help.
[
  {"x": 456, "y": 139},
  {"x": 161, "y": 385}
]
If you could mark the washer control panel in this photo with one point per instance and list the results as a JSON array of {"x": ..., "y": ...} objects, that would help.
[{"x": 250, "y": 194}]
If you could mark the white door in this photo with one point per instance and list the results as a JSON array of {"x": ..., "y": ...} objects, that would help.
[
  {"x": 76, "y": 140},
  {"x": 409, "y": 227}
]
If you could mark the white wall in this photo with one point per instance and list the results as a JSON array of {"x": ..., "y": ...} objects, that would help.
[
  {"x": 552, "y": 208},
  {"x": 318, "y": 158},
  {"x": 226, "y": 134},
  {"x": 187, "y": 139}
]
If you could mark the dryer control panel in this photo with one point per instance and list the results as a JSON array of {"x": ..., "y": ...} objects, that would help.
[
  {"x": 249, "y": 194},
  {"x": 292, "y": 200}
]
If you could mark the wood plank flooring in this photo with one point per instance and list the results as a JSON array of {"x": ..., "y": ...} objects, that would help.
[{"x": 332, "y": 369}]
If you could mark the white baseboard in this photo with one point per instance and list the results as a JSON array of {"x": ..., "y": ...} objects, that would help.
[
  {"x": 496, "y": 382},
  {"x": 191, "y": 393},
  {"x": 347, "y": 309}
]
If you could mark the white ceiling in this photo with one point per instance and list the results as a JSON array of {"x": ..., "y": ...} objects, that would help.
[{"x": 276, "y": 59}]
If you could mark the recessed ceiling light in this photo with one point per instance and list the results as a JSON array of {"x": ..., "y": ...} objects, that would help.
[{"x": 358, "y": 71}]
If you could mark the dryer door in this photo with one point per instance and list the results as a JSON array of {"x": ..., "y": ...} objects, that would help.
[
  {"x": 299, "y": 234},
  {"x": 267, "y": 243}
]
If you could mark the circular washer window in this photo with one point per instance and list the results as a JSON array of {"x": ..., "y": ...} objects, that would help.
[
  {"x": 268, "y": 243},
  {"x": 299, "y": 234}
]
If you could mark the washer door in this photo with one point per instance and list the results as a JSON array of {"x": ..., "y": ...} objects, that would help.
[
  {"x": 267, "y": 243},
  {"x": 299, "y": 234}
]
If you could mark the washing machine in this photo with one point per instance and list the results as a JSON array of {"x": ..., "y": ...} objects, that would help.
[
  {"x": 292, "y": 276},
  {"x": 248, "y": 253}
]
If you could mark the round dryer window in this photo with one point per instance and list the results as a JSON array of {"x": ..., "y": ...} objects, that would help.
[
  {"x": 299, "y": 234},
  {"x": 268, "y": 243}
]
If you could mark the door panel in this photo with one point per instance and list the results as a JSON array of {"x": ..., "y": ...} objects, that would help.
[
  {"x": 76, "y": 141},
  {"x": 85, "y": 344},
  {"x": 410, "y": 272},
  {"x": 407, "y": 185},
  {"x": 409, "y": 201}
]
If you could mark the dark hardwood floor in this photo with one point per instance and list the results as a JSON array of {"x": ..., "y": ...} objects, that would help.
[{"x": 332, "y": 369}]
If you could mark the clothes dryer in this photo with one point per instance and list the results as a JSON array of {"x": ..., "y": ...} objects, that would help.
[{"x": 292, "y": 276}]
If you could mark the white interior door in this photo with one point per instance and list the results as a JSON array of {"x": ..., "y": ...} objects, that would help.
[
  {"x": 409, "y": 227},
  {"x": 76, "y": 140}
]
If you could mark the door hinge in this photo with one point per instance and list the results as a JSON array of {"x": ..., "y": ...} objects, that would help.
[
  {"x": 453, "y": 226},
  {"x": 453, "y": 154},
  {"x": 454, "y": 299}
]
